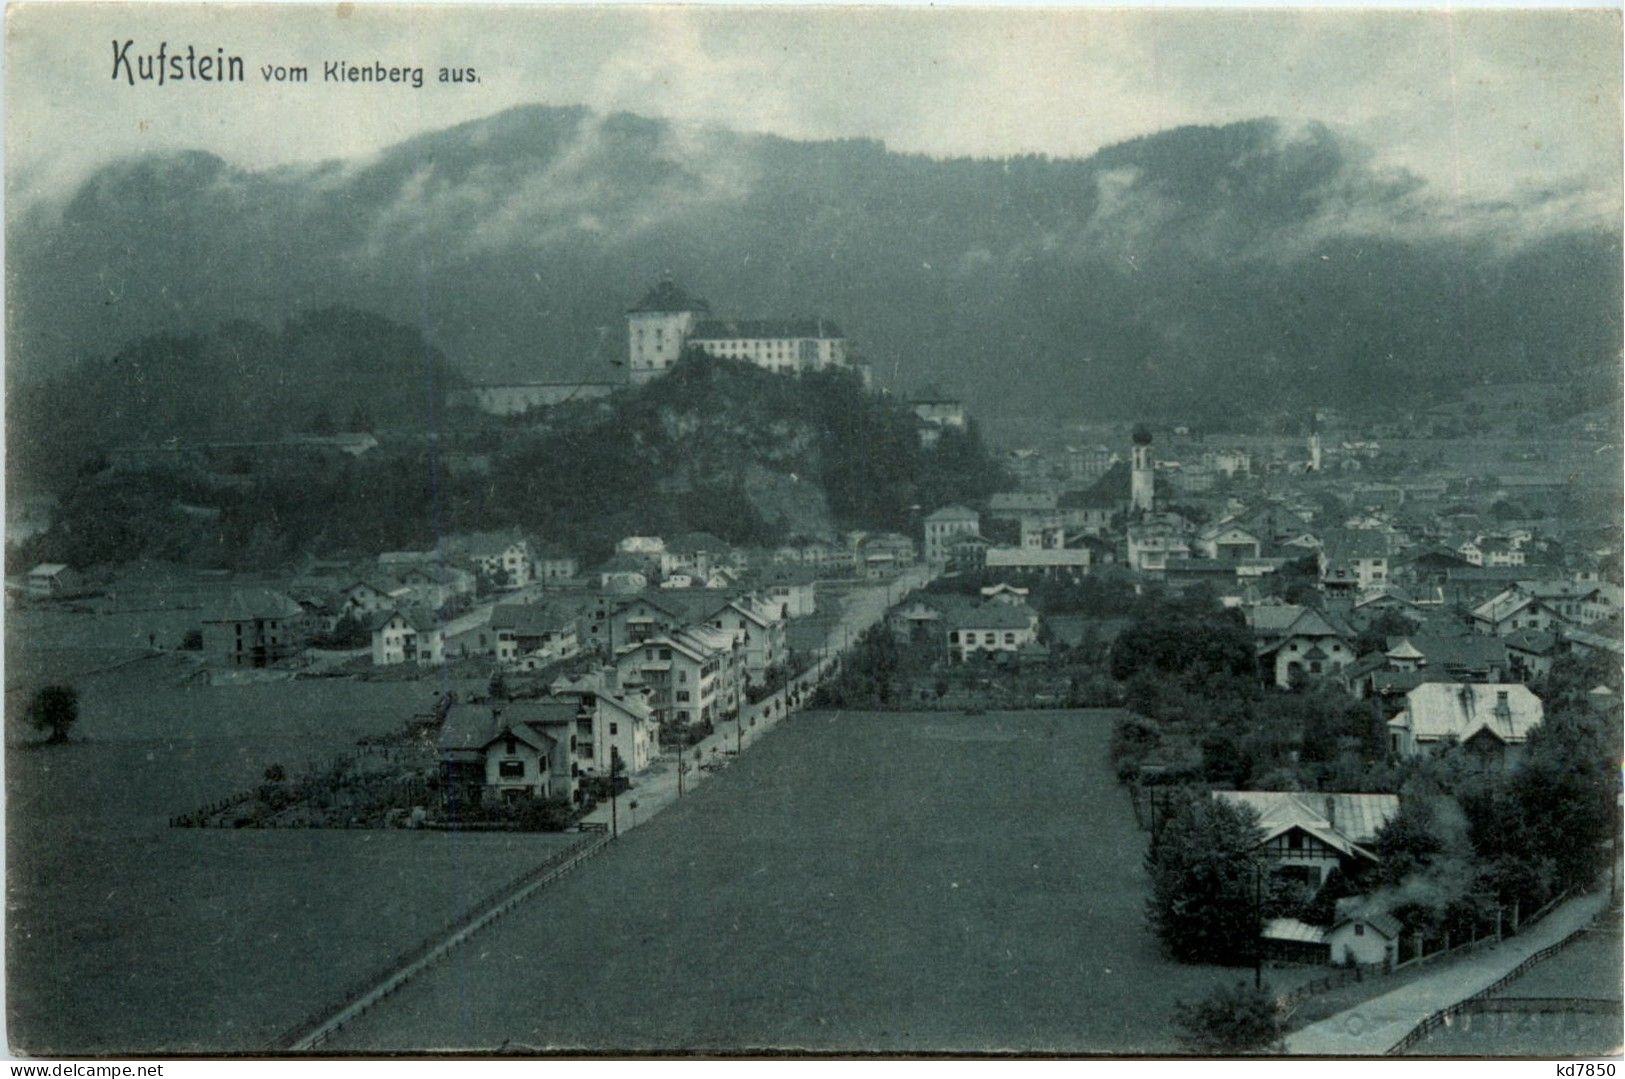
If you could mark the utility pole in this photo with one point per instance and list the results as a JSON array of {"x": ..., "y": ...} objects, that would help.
[
  {"x": 1258, "y": 924},
  {"x": 682, "y": 761},
  {"x": 614, "y": 766}
]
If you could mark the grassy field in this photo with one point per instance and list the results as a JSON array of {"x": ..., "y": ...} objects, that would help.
[
  {"x": 1588, "y": 969},
  {"x": 856, "y": 881},
  {"x": 125, "y": 935}
]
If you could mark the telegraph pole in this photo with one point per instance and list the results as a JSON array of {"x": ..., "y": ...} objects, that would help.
[
  {"x": 1258, "y": 924},
  {"x": 614, "y": 766},
  {"x": 682, "y": 761}
]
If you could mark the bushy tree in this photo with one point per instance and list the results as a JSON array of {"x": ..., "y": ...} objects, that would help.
[
  {"x": 1233, "y": 1019},
  {"x": 1204, "y": 876},
  {"x": 54, "y": 709}
]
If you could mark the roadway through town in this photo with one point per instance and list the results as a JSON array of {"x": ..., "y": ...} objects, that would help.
[{"x": 658, "y": 786}]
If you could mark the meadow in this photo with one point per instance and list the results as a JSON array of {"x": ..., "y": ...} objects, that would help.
[
  {"x": 899, "y": 882},
  {"x": 125, "y": 935}
]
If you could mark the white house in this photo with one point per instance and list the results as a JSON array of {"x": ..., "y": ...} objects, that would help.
[
  {"x": 1492, "y": 720},
  {"x": 50, "y": 579},
  {"x": 1298, "y": 642},
  {"x": 992, "y": 628},
  {"x": 408, "y": 635},
  {"x": 945, "y": 527}
]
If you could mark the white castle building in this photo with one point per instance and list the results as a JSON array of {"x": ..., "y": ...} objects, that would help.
[{"x": 668, "y": 319}]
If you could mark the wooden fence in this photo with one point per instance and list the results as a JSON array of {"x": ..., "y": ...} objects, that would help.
[
  {"x": 321, "y": 1025},
  {"x": 1475, "y": 1002}
]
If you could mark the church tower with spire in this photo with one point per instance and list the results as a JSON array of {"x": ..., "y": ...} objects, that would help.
[{"x": 1142, "y": 475}]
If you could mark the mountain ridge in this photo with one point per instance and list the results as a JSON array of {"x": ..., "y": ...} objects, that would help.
[{"x": 1194, "y": 270}]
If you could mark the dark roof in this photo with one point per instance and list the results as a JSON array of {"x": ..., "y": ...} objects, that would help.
[
  {"x": 248, "y": 604},
  {"x": 995, "y": 615},
  {"x": 419, "y": 619},
  {"x": 669, "y": 296},
  {"x": 467, "y": 726},
  {"x": 527, "y": 619},
  {"x": 1532, "y": 641},
  {"x": 1473, "y": 651},
  {"x": 758, "y": 328}
]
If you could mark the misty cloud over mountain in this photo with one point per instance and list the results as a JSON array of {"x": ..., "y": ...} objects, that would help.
[{"x": 1198, "y": 270}]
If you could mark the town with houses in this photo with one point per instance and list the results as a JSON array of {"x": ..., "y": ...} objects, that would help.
[{"x": 1336, "y": 569}]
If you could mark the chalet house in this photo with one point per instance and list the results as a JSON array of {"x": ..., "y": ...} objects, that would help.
[
  {"x": 1296, "y": 642},
  {"x": 693, "y": 675},
  {"x": 407, "y": 635},
  {"x": 257, "y": 628},
  {"x": 1228, "y": 542},
  {"x": 51, "y": 579},
  {"x": 1492, "y": 721},
  {"x": 1308, "y": 834},
  {"x": 945, "y": 527},
  {"x": 531, "y": 635},
  {"x": 513, "y": 751},
  {"x": 1514, "y": 610},
  {"x": 363, "y": 599},
  {"x": 996, "y": 629}
]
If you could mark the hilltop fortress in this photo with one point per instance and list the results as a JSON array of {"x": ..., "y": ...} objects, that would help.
[{"x": 665, "y": 322}]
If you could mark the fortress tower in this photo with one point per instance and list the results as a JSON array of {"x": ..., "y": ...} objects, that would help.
[
  {"x": 657, "y": 327},
  {"x": 1142, "y": 476}
]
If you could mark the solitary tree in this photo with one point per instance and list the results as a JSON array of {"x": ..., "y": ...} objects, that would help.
[
  {"x": 54, "y": 709},
  {"x": 1233, "y": 1019},
  {"x": 1204, "y": 880}
]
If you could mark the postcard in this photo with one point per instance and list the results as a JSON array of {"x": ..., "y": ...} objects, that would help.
[{"x": 823, "y": 531}]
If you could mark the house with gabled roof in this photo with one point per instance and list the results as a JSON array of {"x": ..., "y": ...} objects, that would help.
[
  {"x": 505, "y": 557},
  {"x": 689, "y": 676},
  {"x": 610, "y": 722},
  {"x": 1512, "y": 610},
  {"x": 1308, "y": 834},
  {"x": 1295, "y": 642},
  {"x": 531, "y": 635},
  {"x": 1229, "y": 541},
  {"x": 406, "y": 635},
  {"x": 1492, "y": 721},
  {"x": 1352, "y": 561},
  {"x": 510, "y": 751},
  {"x": 995, "y": 629},
  {"x": 256, "y": 627}
]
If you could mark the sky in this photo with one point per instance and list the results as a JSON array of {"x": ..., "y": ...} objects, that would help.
[{"x": 1483, "y": 104}]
